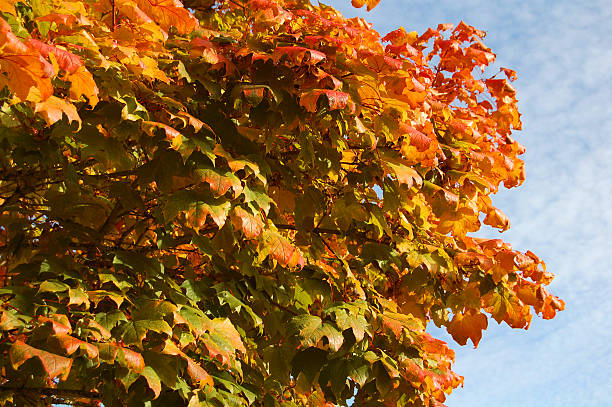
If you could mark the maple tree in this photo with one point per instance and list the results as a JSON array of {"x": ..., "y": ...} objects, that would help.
[{"x": 248, "y": 202}]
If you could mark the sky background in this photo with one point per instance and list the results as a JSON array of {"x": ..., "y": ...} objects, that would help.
[{"x": 563, "y": 212}]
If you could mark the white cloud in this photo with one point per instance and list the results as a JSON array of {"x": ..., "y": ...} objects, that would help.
[{"x": 563, "y": 212}]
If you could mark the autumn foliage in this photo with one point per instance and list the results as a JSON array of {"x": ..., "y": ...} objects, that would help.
[{"x": 248, "y": 202}]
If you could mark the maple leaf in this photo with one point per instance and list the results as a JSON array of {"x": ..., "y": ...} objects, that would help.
[
  {"x": 222, "y": 340},
  {"x": 53, "y": 108},
  {"x": 250, "y": 225},
  {"x": 466, "y": 325},
  {"x": 397, "y": 322},
  {"x": 219, "y": 182},
  {"x": 71, "y": 344},
  {"x": 8, "y": 6},
  {"x": 299, "y": 55},
  {"x": 28, "y": 74},
  {"x": 59, "y": 18},
  {"x": 416, "y": 138},
  {"x": 336, "y": 99},
  {"x": 497, "y": 219},
  {"x": 65, "y": 59},
  {"x": 370, "y": 4},
  {"x": 83, "y": 84},
  {"x": 54, "y": 365},
  {"x": 172, "y": 135},
  {"x": 276, "y": 246},
  {"x": 124, "y": 356},
  {"x": 169, "y": 13}
]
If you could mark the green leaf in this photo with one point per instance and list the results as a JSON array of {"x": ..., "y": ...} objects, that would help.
[
  {"x": 53, "y": 286},
  {"x": 135, "y": 331},
  {"x": 309, "y": 362},
  {"x": 165, "y": 367},
  {"x": 152, "y": 379},
  {"x": 258, "y": 197},
  {"x": 311, "y": 330}
]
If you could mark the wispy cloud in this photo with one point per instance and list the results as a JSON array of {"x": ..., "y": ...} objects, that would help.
[{"x": 563, "y": 212}]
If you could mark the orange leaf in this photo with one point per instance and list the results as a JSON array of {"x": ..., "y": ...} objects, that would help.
[
  {"x": 473, "y": 259},
  {"x": 510, "y": 74},
  {"x": 83, "y": 84},
  {"x": 508, "y": 309},
  {"x": 169, "y": 13},
  {"x": 278, "y": 248},
  {"x": 71, "y": 345},
  {"x": 250, "y": 225},
  {"x": 8, "y": 6},
  {"x": 53, "y": 108},
  {"x": 404, "y": 173},
  {"x": 27, "y": 72},
  {"x": 468, "y": 325},
  {"x": 198, "y": 374},
  {"x": 497, "y": 219},
  {"x": 360, "y": 3},
  {"x": 53, "y": 364},
  {"x": 195, "y": 371}
]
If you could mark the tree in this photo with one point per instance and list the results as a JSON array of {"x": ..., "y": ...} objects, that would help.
[{"x": 248, "y": 202}]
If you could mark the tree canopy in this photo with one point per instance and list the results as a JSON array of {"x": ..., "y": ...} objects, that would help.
[{"x": 248, "y": 202}]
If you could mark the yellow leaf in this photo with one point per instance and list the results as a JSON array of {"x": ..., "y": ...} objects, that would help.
[{"x": 7, "y": 6}]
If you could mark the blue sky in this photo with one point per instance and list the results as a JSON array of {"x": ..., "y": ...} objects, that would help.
[{"x": 563, "y": 212}]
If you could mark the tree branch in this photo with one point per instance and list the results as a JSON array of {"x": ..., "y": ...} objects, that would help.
[{"x": 63, "y": 394}]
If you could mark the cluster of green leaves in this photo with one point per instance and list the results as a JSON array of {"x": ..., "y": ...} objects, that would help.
[{"x": 248, "y": 202}]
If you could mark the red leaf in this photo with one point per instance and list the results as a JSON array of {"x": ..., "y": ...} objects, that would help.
[
  {"x": 337, "y": 100},
  {"x": 66, "y": 60},
  {"x": 299, "y": 55},
  {"x": 58, "y": 324},
  {"x": 417, "y": 139}
]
